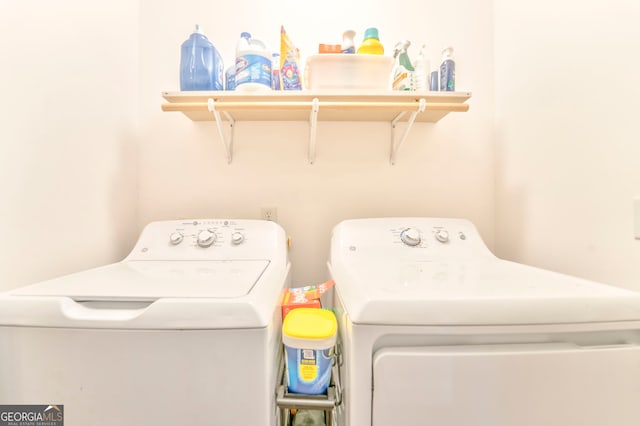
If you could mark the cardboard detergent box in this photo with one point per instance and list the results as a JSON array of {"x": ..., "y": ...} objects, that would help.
[{"x": 304, "y": 297}]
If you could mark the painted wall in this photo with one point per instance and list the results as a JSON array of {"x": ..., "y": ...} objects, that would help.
[
  {"x": 444, "y": 169},
  {"x": 567, "y": 140},
  {"x": 87, "y": 157},
  {"x": 68, "y": 182}
]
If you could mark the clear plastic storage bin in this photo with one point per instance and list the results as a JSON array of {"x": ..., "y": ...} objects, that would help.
[{"x": 351, "y": 72}]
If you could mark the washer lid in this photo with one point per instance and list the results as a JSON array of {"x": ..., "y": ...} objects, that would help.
[
  {"x": 152, "y": 280},
  {"x": 153, "y": 295},
  {"x": 488, "y": 292}
]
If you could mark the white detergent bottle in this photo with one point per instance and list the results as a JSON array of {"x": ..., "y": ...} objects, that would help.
[
  {"x": 253, "y": 64},
  {"x": 422, "y": 70}
]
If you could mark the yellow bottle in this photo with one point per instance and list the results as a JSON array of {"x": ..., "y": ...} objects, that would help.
[{"x": 371, "y": 44}]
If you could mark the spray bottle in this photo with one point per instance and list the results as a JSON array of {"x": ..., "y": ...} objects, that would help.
[
  {"x": 403, "y": 78},
  {"x": 422, "y": 70},
  {"x": 448, "y": 71}
]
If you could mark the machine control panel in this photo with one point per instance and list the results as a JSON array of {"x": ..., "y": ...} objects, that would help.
[
  {"x": 415, "y": 237},
  {"x": 204, "y": 239},
  {"x": 412, "y": 238},
  {"x": 205, "y": 236}
]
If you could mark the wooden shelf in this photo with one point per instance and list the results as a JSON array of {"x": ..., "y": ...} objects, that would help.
[
  {"x": 333, "y": 106},
  {"x": 313, "y": 106}
]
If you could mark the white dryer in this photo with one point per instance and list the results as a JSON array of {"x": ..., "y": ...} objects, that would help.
[
  {"x": 184, "y": 331},
  {"x": 436, "y": 330}
]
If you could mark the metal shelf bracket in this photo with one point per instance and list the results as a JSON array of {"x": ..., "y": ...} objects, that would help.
[
  {"x": 313, "y": 129},
  {"x": 394, "y": 123},
  {"x": 227, "y": 141}
]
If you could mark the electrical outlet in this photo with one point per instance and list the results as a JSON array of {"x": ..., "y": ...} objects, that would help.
[{"x": 269, "y": 213}]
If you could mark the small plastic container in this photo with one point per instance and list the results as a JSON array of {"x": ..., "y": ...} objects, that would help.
[
  {"x": 348, "y": 45},
  {"x": 230, "y": 78},
  {"x": 275, "y": 72},
  {"x": 349, "y": 72},
  {"x": 309, "y": 336},
  {"x": 434, "y": 85}
]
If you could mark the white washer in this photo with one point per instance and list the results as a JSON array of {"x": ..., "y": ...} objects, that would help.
[
  {"x": 184, "y": 331},
  {"x": 436, "y": 330}
]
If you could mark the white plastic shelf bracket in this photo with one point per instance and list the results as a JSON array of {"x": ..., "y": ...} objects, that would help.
[
  {"x": 313, "y": 129},
  {"x": 394, "y": 123},
  {"x": 226, "y": 140}
]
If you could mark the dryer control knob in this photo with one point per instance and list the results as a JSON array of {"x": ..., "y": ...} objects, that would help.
[
  {"x": 206, "y": 238},
  {"x": 410, "y": 236},
  {"x": 175, "y": 238},
  {"x": 442, "y": 235},
  {"x": 237, "y": 238}
]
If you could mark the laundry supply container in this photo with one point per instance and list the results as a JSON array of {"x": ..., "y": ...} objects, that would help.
[
  {"x": 309, "y": 337},
  {"x": 337, "y": 71}
]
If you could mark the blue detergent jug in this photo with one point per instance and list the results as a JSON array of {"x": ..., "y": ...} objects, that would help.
[{"x": 201, "y": 66}]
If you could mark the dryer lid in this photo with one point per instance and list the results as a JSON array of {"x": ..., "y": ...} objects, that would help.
[
  {"x": 152, "y": 280},
  {"x": 487, "y": 292}
]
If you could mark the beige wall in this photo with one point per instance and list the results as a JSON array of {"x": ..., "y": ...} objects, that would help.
[
  {"x": 87, "y": 157},
  {"x": 444, "y": 169},
  {"x": 567, "y": 141},
  {"x": 68, "y": 78}
]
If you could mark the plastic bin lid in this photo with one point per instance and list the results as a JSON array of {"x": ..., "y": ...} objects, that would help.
[{"x": 310, "y": 323}]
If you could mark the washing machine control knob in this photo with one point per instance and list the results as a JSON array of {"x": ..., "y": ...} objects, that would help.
[
  {"x": 442, "y": 235},
  {"x": 410, "y": 236},
  {"x": 175, "y": 238},
  {"x": 206, "y": 238},
  {"x": 237, "y": 238}
]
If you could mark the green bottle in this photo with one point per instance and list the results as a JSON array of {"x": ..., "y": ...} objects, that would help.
[{"x": 403, "y": 73}]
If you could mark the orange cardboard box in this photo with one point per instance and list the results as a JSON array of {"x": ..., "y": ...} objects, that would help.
[
  {"x": 297, "y": 300},
  {"x": 304, "y": 297}
]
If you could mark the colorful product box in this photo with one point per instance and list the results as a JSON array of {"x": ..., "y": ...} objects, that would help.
[{"x": 304, "y": 297}]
